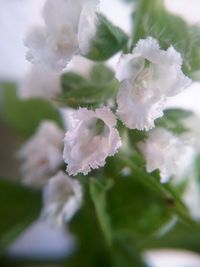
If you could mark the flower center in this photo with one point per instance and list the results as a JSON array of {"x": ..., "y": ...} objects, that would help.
[
  {"x": 97, "y": 128},
  {"x": 141, "y": 85}
]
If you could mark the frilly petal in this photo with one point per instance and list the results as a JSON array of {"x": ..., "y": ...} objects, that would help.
[
  {"x": 164, "y": 151},
  {"x": 148, "y": 77},
  {"x": 84, "y": 149},
  {"x": 62, "y": 198}
]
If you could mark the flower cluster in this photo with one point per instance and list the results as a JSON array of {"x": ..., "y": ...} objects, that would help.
[{"x": 146, "y": 78}]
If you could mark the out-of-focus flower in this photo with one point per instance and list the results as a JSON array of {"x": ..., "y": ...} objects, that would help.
[
  {"x": 69, "y": 27},
  {"x": 164, "y": 151},
  {"x": 192, "y": 123},
  {"x": 91, "y": 140},
  {"x": 148, "y": 76},
  {"x": 62, "y": 197},
  {"x": 40, "y": 83},
  {"x": 42, "y": 154}
]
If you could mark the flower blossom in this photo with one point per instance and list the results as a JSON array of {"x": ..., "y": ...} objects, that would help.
[
  {"x": 68, "y": 29},
  {"x": 91, "y": 139},
  {"x": 192, "y": 124},
  {"x": 148, "y": 77},
  {"x": 40, "y": 83},
  {"x": 41, "y": 155},
  {"x": 62, "y": 197},
  {"x": 164, "y": 151}
]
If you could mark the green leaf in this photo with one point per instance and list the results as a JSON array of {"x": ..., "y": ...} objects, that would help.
[
  {"x": 152, "y": 19},
  {"x": 19, "y": 206},
  {"x": 25, "y": 115},
  {"x": 135, "y": 209},
  {"x": 180, "y": 237},
  {"x": 173, "y": 120},
  {"x": 98, "y": 192},
  {"x": 92, "y": 249},
  {"x": 108, "y": 41},
  {"x": 92, "y": 91},
  {"x": 138, "y": 204},
  {"x": 87, "y": 225},
  {"x": 125, "y": 255}
]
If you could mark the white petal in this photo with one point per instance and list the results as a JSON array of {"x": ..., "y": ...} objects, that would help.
[
  {"x": 148, "y": 77},
  {"x": 129, "y": 67},
  {"x": 62, "y": 198},
  {"x": 61, "y": 12},
  {"x": 87, "y": 26},
  {"x": 138, "y": 108},
  {"x": 84, "y": 147},
  {"x": 41, "y": 155},
  {"x": 36, "y": 42},
  {"x": 164, "y": 151},
  {"x": 52, "y": 50},
  {"x": 54, "y": 45},
  {"x": 40, "y": 83}
]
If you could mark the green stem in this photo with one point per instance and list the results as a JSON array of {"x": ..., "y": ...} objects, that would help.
[{"x": 164, "y": 191}]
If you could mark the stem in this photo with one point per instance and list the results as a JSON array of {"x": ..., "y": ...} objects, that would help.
[{"x": 149, "y": 181}]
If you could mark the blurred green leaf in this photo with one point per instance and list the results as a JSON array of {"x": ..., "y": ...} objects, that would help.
[
  {"x": 87, "y": 225},
  {"x": 173, "y": 120},
  {"x": 25, "y": 115},
  {"x": 96, "y": 89},
  {"x": 125, "y": 255},
  {"x": 19, "y": 206},
  {"x": 135, "y": 209},
  {"x": 98, "y": 192},
  {"x": 152, "y": 19},
  {"x": 108, "y": 41},
  {"x": 92, "y": 250},
  {"x": 180, "y": 237},
  {"x": 138, "y": 204}
]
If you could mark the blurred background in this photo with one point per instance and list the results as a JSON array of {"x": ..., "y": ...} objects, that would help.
[{"x": 16, "y": 18}]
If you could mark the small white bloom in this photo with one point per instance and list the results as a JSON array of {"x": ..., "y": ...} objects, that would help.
[
  {"x": 164, "y": 151},
  {"x": 63, "y": 35},
  {"x": 91, "y": 140},
  {"x": 62, "y": 198},
  {"x": 192, "y": 123},
  {"x": 40, "y": 83},
  {"x": 148, "y": 76},
  {"x": 42, "y": 154}
]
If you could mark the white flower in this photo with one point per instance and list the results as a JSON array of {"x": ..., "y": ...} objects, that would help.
[
  {"x": 91, "y": 140},
  {"x": 192, "y": 123},
  {"x": 40, "y": 83},
  {"x": 62, "y": 198},
  {"x": 148, "y": 76},
  {"x": 42, "y": 154},
  {"x": 164, "y": 151},
  {"x": 69, "y": 27}
]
